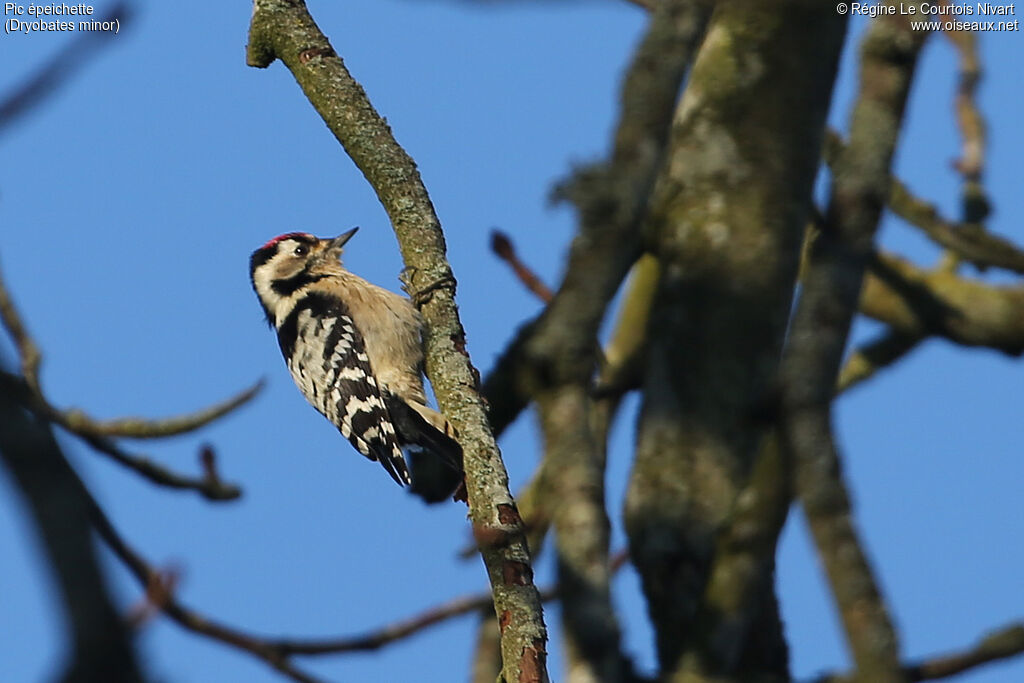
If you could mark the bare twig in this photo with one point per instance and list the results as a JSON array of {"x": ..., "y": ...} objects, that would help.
[
  {"x": 27, "y": 350},
  {"x": 968, "y": 240},
  {"x": 386, "y": 635},
  {"x": 277, "y": 651},
  {"x": 484, "y": 668},
  {"x": 880, "y": 353},
  {"x": 211, "y": 489},
  {"x": 623, "y": 356},
  {"x": 971, "y": 163},
  {"x": 828, "y": 302},
  {"x": 918, "y": 302},
  {"x": 29, "y": 392},
  {"x": 60, "y": 68},
  {"x": 486, "y": 663},
  {"x": 560, "y": 357},
  {"x": 503, "y": 248},
  {"x": 159, "y": 590},
  {"x": 189, "y": 619},
  {"x": 1004, "y": 643},
  {"x": 76, "y": 421},
  {"x": 285, "y": 30},
  {"x": 1001, "y": 644}
]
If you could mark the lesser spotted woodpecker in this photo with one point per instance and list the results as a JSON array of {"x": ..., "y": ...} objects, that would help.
[{"x": 354, "y": 349}]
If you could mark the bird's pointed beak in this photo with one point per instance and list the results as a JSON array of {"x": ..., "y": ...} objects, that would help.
[{"x": 339, "y": 241}]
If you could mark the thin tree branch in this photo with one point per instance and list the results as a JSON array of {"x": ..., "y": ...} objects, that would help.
[
  {"x": 1004, "y": 643},
  {"x": 277, "y": 652},
  {"x": 189, "y": 619},
  {"x": 503, "y": 248},
  {"x": 968, "y": 240},
  {"x": 1001, "y": 644},
  {"x": 399, "y": 630},
  {"x": 158, "y": 592},
  {"x": 876, "y": 355},
  {"x": 503, "y": 388},
  {"x": 971, "y": 163},
  {"x": 76, "y": 421},
  {"x": 831, "y": 283},
  {"x": 28, "y": 351},
  {"x": 486, "y": 663},
  {"x": 403, "y": 628},
  {"x": 623, "y": 356},
  {"x": 285, "y": 30},
  {"x": 60, "y": 68},
  {"x": 211, "y": 488},
  {"x": 561, "y": 355},
  {"x": 29, "y": 392},
  {"x": 918, "y": 302}
]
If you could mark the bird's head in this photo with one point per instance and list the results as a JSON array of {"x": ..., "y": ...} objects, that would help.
[{"x": 289, "y": 262}]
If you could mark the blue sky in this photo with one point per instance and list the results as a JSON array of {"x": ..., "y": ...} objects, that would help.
[{"x": 130, "y": 202}]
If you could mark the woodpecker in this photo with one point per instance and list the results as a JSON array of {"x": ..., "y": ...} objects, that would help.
[{"x": 355, "y": 351}]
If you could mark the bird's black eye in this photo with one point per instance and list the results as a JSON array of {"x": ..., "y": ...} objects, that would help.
[{"x": 301, "y": 250}]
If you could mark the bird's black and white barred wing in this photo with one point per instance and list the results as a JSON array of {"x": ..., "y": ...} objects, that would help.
[{"x": 327, "y": 358}]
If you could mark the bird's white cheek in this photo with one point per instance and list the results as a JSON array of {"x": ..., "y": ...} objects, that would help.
[{"x": 261, "y": 279}]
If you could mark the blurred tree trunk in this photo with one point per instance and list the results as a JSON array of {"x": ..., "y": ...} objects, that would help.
[
  {"x": 728, "y": 215},
  {"x": 101, "y": 651}
]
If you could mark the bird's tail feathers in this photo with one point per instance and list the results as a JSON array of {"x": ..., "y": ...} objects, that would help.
[
  {"x": 393, "y": 463},
  {"x": 420, "y": 426},
  {"x": 435, "y": 457}
]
